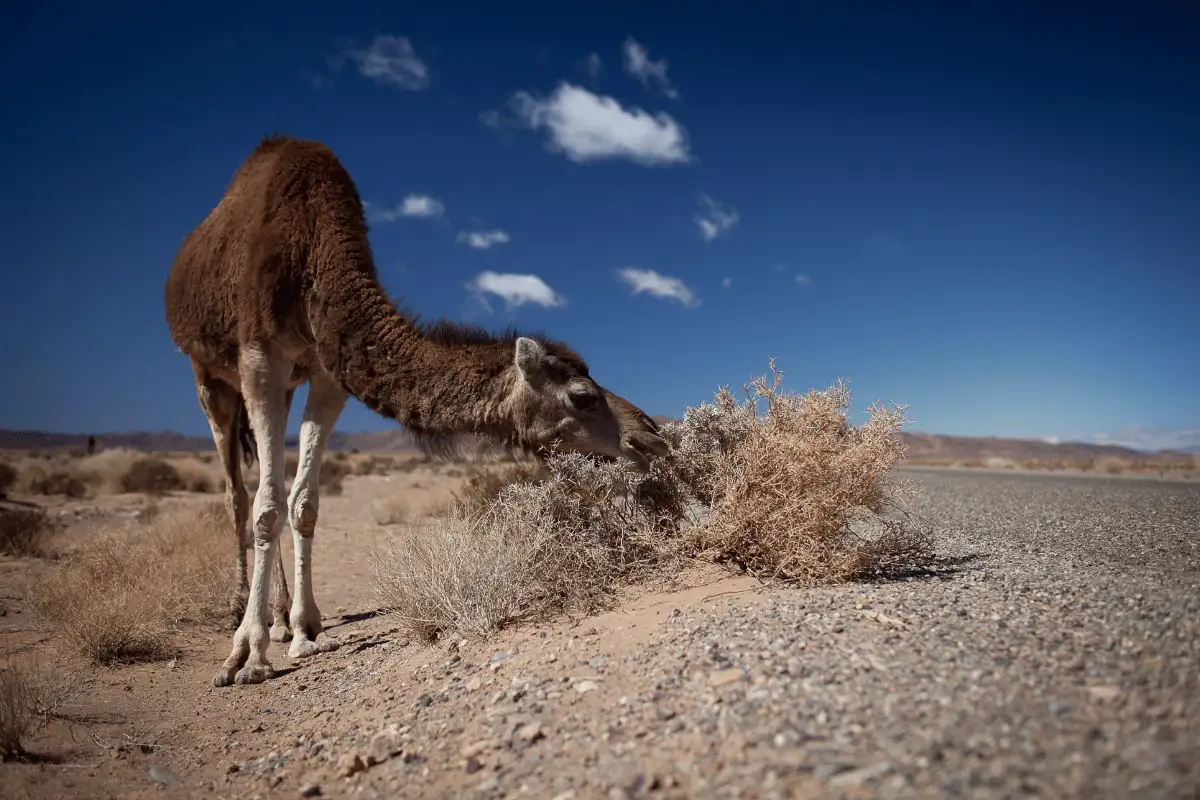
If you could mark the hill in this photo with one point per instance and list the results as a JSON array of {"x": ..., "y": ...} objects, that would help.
[{"x": 920, "y": 446}]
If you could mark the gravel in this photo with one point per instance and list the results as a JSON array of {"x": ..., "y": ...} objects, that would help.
[{"x": 1053, "y": 653}]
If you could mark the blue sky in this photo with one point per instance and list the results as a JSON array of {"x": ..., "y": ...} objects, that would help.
[{"x": 991, "y": 214}]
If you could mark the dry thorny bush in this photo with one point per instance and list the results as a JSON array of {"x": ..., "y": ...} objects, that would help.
[
  {"x": 31, "y": 694},
  {"x": 123, "y": 595},
  {"x": 790, "y": 492}
]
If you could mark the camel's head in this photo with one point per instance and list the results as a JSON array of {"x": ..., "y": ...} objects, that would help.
[{"x": 559, "y": 403}]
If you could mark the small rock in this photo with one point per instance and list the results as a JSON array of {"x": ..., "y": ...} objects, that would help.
[
  {"x": 1104, "y": 692},
  {"x": 310, "y": 790},
  {"x": 474, "y": 685},
  {"x": 501, "y": 656},
  {"x": 232, "y": 768},
  {"x": 163, "y": 775},
  {"x": 531, "y": 732},
  {"x": 724, "y": 677},
  {"x": 473, "y": 765},
  {"x": 384, "y": 745},
  {"x": 473, "y": 749},
  {"x": 584, "y": 687},
  {"x": 350, "y": 764}
]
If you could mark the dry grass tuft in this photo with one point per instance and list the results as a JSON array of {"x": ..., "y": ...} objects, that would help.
[
  {"x": 30, "y": 694},
  {"x": 793, "y": 492},
  {"x": 790, "y": 488},
  {"x": 123, "y": 595},
  {"x": 24, "y": 531},
  {"x": 566, "y": 543},
  {"x": 153, "y": 476},
  {"x": 8, "y": 478}
]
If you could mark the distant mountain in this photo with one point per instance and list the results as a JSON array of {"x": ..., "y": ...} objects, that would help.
[
  {"x": 929, "y": 445},
  {"x": 919, "y": 445},
  {"x": 375, "y": 441}
]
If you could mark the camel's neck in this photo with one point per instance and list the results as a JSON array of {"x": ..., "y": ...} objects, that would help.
[{"x": 381, "y": 358}]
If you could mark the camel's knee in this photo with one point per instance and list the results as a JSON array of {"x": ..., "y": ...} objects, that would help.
[
  {"x": 266, "y": 521},
  {"x": 303, "y": 514}
]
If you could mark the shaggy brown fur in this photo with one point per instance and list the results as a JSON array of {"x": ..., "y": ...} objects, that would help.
[{"x": 282, "y": 267}]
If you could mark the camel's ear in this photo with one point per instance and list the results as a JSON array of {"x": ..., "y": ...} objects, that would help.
[{"x": 529, "y": 356}]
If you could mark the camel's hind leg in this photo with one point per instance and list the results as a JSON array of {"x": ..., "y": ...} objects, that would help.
[
  {"x": 221, "y": 405},
  {"x": 280, "y": 602},
  {"x": 325, "y": 403}
]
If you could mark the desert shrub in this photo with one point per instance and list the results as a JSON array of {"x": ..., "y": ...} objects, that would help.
[
  {"x": 8, "y": 477},
  {"x": 566, "y": 543},
  {"x": 123, "y": 596},
  {"x": 30, "y": 692},
  {"x": 63, "y": 483},
  {"x": 332, "y": 473},
  {"x": 24, "y": 531},
  {"x": 789, "y": 491},
  {"x": 197, "y": 476},
  {"x": 793, "y": 492},
  {"x": 375, "y": 465},
  {"x": 484, "y": 483},
  {"x": 152, "y": 475}
]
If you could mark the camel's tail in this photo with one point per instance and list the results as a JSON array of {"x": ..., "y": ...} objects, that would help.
[{"x": 245, "y": 434}]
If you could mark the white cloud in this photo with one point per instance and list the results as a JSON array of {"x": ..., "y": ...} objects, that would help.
[
  {"x": 639, "y": 65},
  {"x": 588, "y": 127},
  {"x": 650, "y": 282},
  {"x": 726, "y": 283},
  {"x": 421, "y": 206},
  {"x": 713, "y": 219},
  {"x": 594, "y": 65},
  {"x": 1153, "y": 439},
  {"x": 803, "y": 279},
  {"x": 516, "y": 289},
  {"x": 391, "y": 60},
  {"x": 483, "y": 240}
]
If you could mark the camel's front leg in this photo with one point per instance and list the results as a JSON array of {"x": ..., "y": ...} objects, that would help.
[{"x": 264, "y": 387}]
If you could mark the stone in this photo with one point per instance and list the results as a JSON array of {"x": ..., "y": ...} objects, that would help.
[
  {"x": 350, "y": 764},
  {"x": 724, "y": 677},
  {"x": 583, "y": 687},
  {"x": 383, "y": 746},
  {"x": 163, "y": 775},
  {"x": 531, "y": 732}
]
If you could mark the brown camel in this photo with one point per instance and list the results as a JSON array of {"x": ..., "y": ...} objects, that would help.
[{"x": 277, "y": 287}]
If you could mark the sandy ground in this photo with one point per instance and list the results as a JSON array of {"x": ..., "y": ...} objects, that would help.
[{"x": 1053, "y": 654}]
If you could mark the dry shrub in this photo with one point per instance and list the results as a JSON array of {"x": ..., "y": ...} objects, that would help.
[
  {"x": 63, "y": 483},
  {"x": 153, "y": 476},
  {"x": 484, "y": 483},
  {"x": 123, "y": 596},
  {"x": 30, "y": 694},
  {"x": 790, "y": 489},
  {"x": 565, "y": 544},
  {"x": 8, "y": 477},
  {"x": 796, "y": 494},
  {"x": 24, "y": 531},
  {"x": 332, "y": 473}
]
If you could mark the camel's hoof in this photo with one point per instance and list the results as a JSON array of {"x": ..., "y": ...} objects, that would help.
[
  {"x": 280, "y": 633},
  {"x": 223, "y": 678},
  {"x": 254, "y": 673},
  {"x": 304, "y": 648}
]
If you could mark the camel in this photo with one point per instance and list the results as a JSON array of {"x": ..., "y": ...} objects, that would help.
[{"x": 277, "y": 287}]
